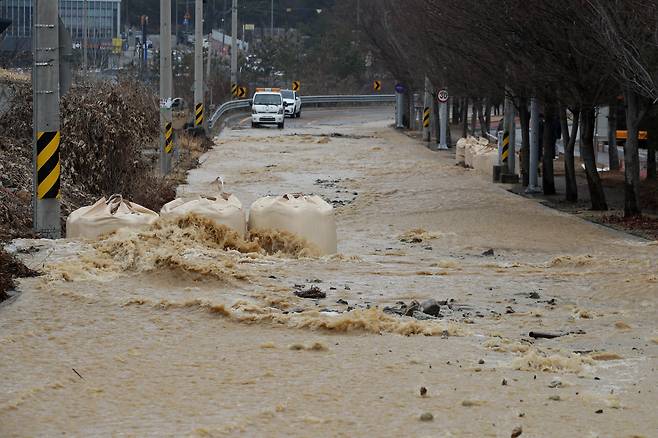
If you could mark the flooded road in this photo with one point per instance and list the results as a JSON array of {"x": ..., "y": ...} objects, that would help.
[{"x": 180, "y": 331}]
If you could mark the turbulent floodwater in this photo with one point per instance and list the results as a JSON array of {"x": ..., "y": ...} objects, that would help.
[{"x": 185, "y": 330}]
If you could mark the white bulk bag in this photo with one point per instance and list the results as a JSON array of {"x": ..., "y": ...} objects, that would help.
[
  {"x": 309, "y": 217},
  {"x": 106, "y": 216},
  {"x": 223, "y": 209},
  {"x": 460, "y": 151}
]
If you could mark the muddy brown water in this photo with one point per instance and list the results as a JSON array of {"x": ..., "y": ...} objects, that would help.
[{"x": 166, "y": 333}]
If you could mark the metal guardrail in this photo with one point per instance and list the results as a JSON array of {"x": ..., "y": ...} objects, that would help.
[{"x": 309, "y": 100}]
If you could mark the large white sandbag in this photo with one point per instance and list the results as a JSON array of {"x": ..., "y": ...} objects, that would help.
[
  {"x": 485, "y": 160},
  {"x": 309, "y": 217},
  {"x": 106, "y": 216},
  {"x": 460, "y": 150},
  {"x": 223, "y": 209}
]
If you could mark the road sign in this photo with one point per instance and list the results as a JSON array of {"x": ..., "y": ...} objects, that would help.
[
  {"x": 249, "y": 26},
  {"x": 296, "y": 85},
  {"x": 442, "y": 95},
  {"x": 242, "y": 92},
  {"x": 377, "y": 85},
  {"x": 400, "y": 88}
]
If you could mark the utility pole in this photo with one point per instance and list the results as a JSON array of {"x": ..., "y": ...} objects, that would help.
[
  {"x": 272, "y": 19},
  {"x": 234, "y": 43},
  {"x": 198, "y": 64},
  {"x": 208, "y": 65},
  {"x": 166, "y": 128},
  {"x": 46, "y": 128},
  {"x": 533, "y": 184},
  {"x": 85, "y": 35}
]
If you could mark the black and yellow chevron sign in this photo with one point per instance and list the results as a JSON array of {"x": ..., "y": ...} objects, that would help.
[
  {"x": 48, "y": 165},
  {"x": 169, "y": 137},
  {"x": 198, "y": 114},
  {"x": 504, "y": 155},
  {"x": 426, "y": 117},
  {"x": 242, "y": 92},
  {"x": 377, "y": 85},
  {"x": 296, "y": 85},
  {"x": 234, "y": 90}
]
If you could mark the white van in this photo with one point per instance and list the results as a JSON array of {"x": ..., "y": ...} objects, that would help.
[{"x": 267, "y": 108}]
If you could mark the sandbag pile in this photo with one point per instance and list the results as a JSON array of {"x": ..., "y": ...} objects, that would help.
[
  {"x": 308, "y": 217},
  {"x": 476, "y": 153}
]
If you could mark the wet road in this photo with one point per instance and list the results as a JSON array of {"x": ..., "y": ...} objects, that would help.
[{"x": 169, "y": 334}]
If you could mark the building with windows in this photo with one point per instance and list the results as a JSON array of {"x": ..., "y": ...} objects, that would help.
[{"x": 103, "y": 22}]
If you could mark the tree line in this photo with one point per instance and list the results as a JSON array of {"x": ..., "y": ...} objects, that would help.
[{"x": 574, "y": 56}]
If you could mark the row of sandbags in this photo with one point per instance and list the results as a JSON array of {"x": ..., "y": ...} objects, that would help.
[
  {"x": 309, "y": 217},
  {"x": 476, "y": 153}
]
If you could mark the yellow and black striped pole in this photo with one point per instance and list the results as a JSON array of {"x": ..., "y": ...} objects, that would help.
[
  {"x": 198, "y": 115},
  {"x": 234, "y": 90},
  {"x": 48, "y": 165},
  {"x": 169, "y": 139},
  {"x": 504, "y": 151},
  {"x": 426, "y": 117}
]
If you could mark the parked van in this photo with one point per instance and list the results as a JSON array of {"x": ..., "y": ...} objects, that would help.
[{"x": 267, "y": 108}]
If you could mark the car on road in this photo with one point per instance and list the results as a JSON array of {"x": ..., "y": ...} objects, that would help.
[
  {"x": 267, "y": 108},
  {"x": 294, "y": 101}
]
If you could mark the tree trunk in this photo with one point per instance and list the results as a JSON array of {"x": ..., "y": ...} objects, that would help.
[
  {"x": 524, "y": 118},
  {"x": 651, "y": 161},
  {"x": 487, "y": 115},
  {"x": 613, "y": 153},
  {"x": 483, "y": 119},
  {"x": 456, "y": 111},
  {"x": 634, "y": 112},
  {"x": 547, "y": 174},
  {"x": 569, "y": 140},
  {"x": 475, "y": 107},
  {"x": 464, "y": 117},
  {"x": 588, "y": 155}
]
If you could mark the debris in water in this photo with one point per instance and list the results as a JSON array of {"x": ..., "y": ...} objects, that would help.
[
  {"x": 472, "y": 403},
  {"x": 600, "y": 411},
  {"x": 621, "y": 325},
  {"x": 534, "y": 295},
  {"x": 422, "y": 316},
  {"x": 555, "y": 398},
  {"x": 488, "y": 253},
  {"x": 606, "y": 356},
  {"x": 544, "y": 335},
  {"x": 77, "y": 373},
  {"x": 423, "y": 391},
  {"x": 342, "y": 301},
  {"x": 313, "y": 292},
  {"x": 504, "y": 382},
  {"x": 427, "y": 417},
  {"x": 516, "y": 432}
]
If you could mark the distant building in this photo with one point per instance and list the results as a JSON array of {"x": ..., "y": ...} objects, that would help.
[{"x": 103, "y": 22}]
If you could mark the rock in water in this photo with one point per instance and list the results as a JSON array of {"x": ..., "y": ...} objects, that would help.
[
  {"x": 426, "y": 417},
  {"x": 313, "y": 292},
  {"x": 431, "y": 307}
]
